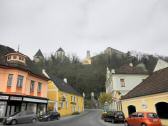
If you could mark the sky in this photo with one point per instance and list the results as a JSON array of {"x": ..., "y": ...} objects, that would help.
[{"x": 81, "y": 25}]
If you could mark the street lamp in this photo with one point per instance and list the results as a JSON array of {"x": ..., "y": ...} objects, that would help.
[
  {"x": 83, "y": 101},
  {"x": 106, "y": 104}
]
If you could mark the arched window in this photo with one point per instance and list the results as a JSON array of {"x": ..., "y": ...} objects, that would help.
[
  {"x": 131, "y": 109},
  {"x": 162, "y": 110}
]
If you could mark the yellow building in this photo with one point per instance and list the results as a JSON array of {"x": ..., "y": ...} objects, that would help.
[
  {"x": 87, "y": 60},
  {"x": 63, "y": 98},
  {"x": 150, "y": 96}
]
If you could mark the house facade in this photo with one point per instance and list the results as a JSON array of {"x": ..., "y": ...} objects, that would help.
[
  {"x": 119, "y": 82},
  {"x": 63, "y": 98},
  {"x": 151, "y": 96},
  {"x": 22, "y": 87}
]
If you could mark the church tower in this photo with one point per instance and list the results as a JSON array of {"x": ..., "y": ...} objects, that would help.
[
  {"x": 87, "y": 60},
  {"x": 38, "y": 56},
  {"x": 60, "y": 53}
]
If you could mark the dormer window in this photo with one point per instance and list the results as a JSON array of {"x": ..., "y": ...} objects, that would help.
[
  {"x": 9, "y": 57},
  {"x": 16, "y": 57}
]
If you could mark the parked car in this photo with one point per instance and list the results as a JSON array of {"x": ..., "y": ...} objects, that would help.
[
  {"x": 114, "y": 116},
  {"x": 21, "y": 117},
  {"x": 49, "y": 116},
  {"x": 103, "y": 115},
  {"x": 143, "y": 119}
]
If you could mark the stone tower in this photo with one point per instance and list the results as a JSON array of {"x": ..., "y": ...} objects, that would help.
[
  {"x": 38, "y": 56},
  {"x": 88, "y": 59},
  {"x": 60, "y": 53}
]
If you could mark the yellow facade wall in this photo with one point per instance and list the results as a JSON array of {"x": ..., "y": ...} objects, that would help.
[
  {"x": 67, "y": 103},
  {"x": 149, "y": 101}
]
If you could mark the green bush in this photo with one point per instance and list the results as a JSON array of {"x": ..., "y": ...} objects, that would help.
[{"x": 75, "y": 113}]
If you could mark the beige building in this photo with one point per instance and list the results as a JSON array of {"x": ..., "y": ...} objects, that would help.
[
  {"x": 88, "y": 59},
  {"x": 150, "y": 96}
]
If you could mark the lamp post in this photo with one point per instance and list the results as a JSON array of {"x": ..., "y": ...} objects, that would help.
[
  {"x": 106, "y": 106},
  {"x": 83, "y": 101}
]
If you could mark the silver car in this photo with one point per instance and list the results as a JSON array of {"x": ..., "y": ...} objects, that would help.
[{"x": 21, "y": 117}]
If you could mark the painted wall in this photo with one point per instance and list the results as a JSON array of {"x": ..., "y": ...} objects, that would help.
[
  {"x": 66, "y": 107},
  {"x": 131, "y": 81},
  {"x": 161, "y": 64},
  {"x": 26, "y": 83},
  {"x": 146, "y": 103}
]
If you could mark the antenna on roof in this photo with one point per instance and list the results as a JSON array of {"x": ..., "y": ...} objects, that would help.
[{"x": 18, "y": 47}]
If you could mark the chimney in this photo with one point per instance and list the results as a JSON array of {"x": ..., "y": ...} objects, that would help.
[
  {"x": 130, "y": 64},
  {"x": 113, "y": 71},
  {"x": 65, "y": 80}
]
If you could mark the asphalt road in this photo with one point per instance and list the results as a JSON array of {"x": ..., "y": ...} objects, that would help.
[{"x": 88, "y": 118}]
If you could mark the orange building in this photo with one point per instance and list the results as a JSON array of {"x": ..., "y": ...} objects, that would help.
[{"x": 22, "y": 85}]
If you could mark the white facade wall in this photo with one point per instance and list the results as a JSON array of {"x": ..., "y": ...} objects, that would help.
[
  {"x": 161, "y": 64},
  {"x": 131, "y": 81}
]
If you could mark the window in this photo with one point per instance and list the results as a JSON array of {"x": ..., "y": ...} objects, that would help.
[
  {"x": 62, "y": 104},
  {"x": 14, "y": 57},
  {"x": 20, "y": 81},
  {"x": 152, "y": 115},
  {"x": 9, "y": 57},
  {"x": 20, "y": 58},
  {"x": 10, "y": 77},
  {"x": 39, "y": 87},
  {"x": 122, "y": 82},
  {"x": 140, "y": 115},
  {"x": 66, "y": 104},
  {"x": 74, "y": 99},
  {"x": 71, "y": 98},
  {"x": 134, "y": 115},
  {"x": 32, "y": 86}
]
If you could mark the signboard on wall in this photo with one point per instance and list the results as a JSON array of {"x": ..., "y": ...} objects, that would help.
[
  {"x": 35, "y": 100},
  {"x": 14, "y": 98},
  {"x": 3, "y": 97},
  {"x": 144, "y": 104}
]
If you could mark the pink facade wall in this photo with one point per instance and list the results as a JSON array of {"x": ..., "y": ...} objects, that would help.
[{"x": 26, "y": 82}]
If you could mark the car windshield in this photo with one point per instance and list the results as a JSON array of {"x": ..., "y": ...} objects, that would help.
[
  {"x": 152, "y": 115},
  {"x": 14, "y": 114},
  {"x": 119, "y": 113}
]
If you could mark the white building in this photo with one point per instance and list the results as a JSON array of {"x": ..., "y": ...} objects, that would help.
[
  {"x": 120, "y": 81},
  {"x": 60, "y": 53},
  {"x": 161, "y": 64}
]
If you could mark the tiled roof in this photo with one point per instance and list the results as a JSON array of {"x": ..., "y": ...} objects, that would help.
[
  {"x": 156, "y": 83},
  {"x": 65, "y": 87},
  {"x": 60, "y": 49},
  {"x": 127, "y": 69},
  {"x": 30, "y": 65},
  {"x": 39, "y": 53}
]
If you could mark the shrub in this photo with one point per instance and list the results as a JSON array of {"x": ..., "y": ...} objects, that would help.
[{"x": 75, "y": 113}]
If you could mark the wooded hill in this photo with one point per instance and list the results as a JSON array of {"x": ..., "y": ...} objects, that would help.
[{"x": 91, "y": 78}]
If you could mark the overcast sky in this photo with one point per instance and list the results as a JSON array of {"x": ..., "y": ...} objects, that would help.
[{"x": 81, "y": 25}]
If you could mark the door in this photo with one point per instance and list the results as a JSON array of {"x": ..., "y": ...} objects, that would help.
[
  {"x": 29, "y": 116},
  {"x": 21, "y": 117}
]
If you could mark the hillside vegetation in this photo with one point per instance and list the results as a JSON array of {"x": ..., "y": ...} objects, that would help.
[{"x": 91, "y": 78}]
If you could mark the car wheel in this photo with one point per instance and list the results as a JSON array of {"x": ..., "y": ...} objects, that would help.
[
  {"x": 126, "y": 124},
  {"x": 143, "y": 124},
  {"x": 48, "y": 119},
  {"x": 33, "y": 120},
  {"x": 14, "y": 122},
  {"x": 113, "y": 121},
  {"x": 58, "y": 117}
]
